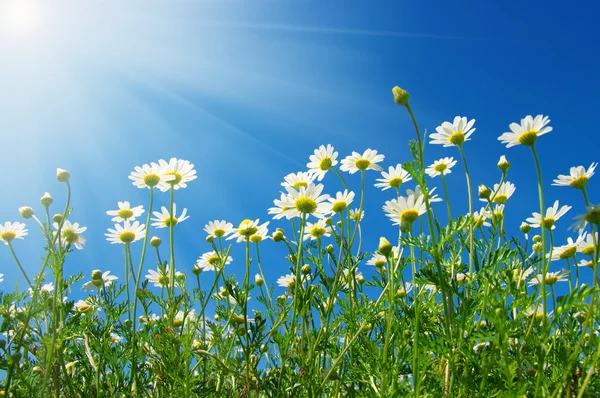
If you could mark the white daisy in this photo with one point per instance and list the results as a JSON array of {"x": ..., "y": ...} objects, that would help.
[
  {"x": 419, "y": 192},
  {"x": 126, "y": 233},
  {"x": 211, "y": 261},
  {"x": 480, "y": 218},
  {"x": 440, "y": 166},
  {"x": 160, "y": 278},
  {"x": 72, "y": 234},
  {"x": 522, "y": 275},
  {"x": 566, "y": 251},
  {"x": 286, "y": 281},
  {"x": 453, "y": 134},
  {"x": 592, "y": 216},
  {"x": 587, "y": 245},
  {"x": 99, "y": 280},
  {"x": 552, "y": 215},
  {"x": 367, "y": 161},
  {"x": 551, "y": 278},
  {"x": 183, "y": 171},
  {"x": 341, "y": 201},
  {"x": 184, "y": 319},
  {"x": 316, "y": 230},
  {"x": 394, "y": 178},
  {"x": 163, "y": 219},
  {"x": 246, "y": 229},
  {"x": 10, "y": 231},
  {"x": 125, "y": 212},
  {"x": 527, "y": 132},
  {"x": 218, "y": 229},
  {"x": 299, "y": 179},
  {"x": 577, "y": 178},
  {"x": 323, "y": 159},
  {"x": 357, "y": 215},
  {"x": 586, "y": 263},
  {"x": 405, "y": 210},
  {"x": 149, "y": 176},
  {"x": 307, "y": 200},
  {"x": 377, "y": 260},
  {"x": 280, "y": 210},
  {"x": 501, "y": 193},
  {"x": 404, "y": 288},
  {"x": 115, "y": 338},
  {"x": 83, "y": 306},
  {"x": 261, "y": 234},
  {"x": 45, "y": 288}
]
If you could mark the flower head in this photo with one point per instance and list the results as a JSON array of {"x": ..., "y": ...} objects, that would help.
[
  {"x": 400, "y": 96},
  {"x": 299, "y": 179},
  {"x": 455, "y": 133},
  {"x": 161, "y": 277},
  {"x": 323, "y": 159},
  {"x": 480, "y": 218},
  {"x": 307, "y": 200},
  {"x": 577, "y": 178},
  {"x": 316, "y": 230},
  {"x": 503, "y": 164},
  {"x": 501, "y": 193},
  {"x": 527, "y": 132},
  {"x": 126, "y": 233},
  {"x": 99, "y": 280},
  {"x": 586, "y": 245},
  {"x": 357, "y": 215},
  {"x": 566, "y": 251},
  {"x": 550, "y": 279},
  {"x": 71, "y": 233},
  {"x": 394, "y": 178},
  {"x": 211, "y": 261},
  {"x": 149, "y": 176},
  {"x": 247, "y": 229},
  {"x": 163, "y": 219},
  {"x": 367, "y": 161},
  {"x": 592, "y": 216},
  {"x": 62, "y": 175},
  {"x": 377, "y": 260},
  {"x": 26, "y": 212},
  {"x": 126, "y": 212},
  {"x": 552, "y": 215},
  {"x": 288, "y": 281},
  {"x": 341, "y": 201},
  {"x": 182, "y": 170},
  {"x": 218, "y": 229},
  {"x": 405, "y": 210},
  {"x": 10, "y": 231},
  {"x": 440, "y": 166}
]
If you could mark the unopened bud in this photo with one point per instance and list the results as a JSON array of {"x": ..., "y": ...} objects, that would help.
[
  {"x": 484, "y": 192},
  {"x": 196, "y": 270},
  {"x": 525, "y": 228},
  {"x": 329, "y": 221},
  {"x": 62, "y": 175},
  {"x": 46, "y": 200},
  {"x": 306, "y": 269},
  {"x": 278, "y": 235},
  {"x": 57, "y": 218},
  {"x": 258, "y": 280},
  {"x": 503, "y": 164},
  {"x": 360, "y": 279},
  {"x": 26, "y": 212},
  {"x": 537, "y": 238},
  {"x": 155, "y": 241},
  {"x": 210, "y": 238},
  {"x": 537, "y": 247},
  {"x": 385, "y": 247},
  {"x": 400, "y": 96},
  {"x": 329, "y": 249},
  {"x": 96, "y": 275}
]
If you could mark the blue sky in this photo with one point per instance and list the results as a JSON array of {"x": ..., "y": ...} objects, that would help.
[{"x": 246, "y": 90}]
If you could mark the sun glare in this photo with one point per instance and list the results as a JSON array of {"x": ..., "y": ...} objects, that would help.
[{"x": 19, "y": 17}]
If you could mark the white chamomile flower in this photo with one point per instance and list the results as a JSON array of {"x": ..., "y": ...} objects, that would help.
[
  {"x": 394, "y": 178},
  {"x": 299, "y": 179},
  {"x": 115, "y": 338},
  {"x": 521, "y": 275},
  {"x": 10, "y": 231},
  {"x": 501, "y": 193},
  {"x": 566, "y": 251},
  {"x": 163, "y": 219},
  {"x": 45, "y": 288},
  {"x": 323, "y": 159},
  {"x": 218, "y": 229},
  {"x": 357, "y": 215},
  {"x": 126, "y": 233},
  {"x": 367, "y": 161},
  {"x": 433, "y": 198},
  {"x": 83, "y": 306},
  {"x": 280, "y": 210},
  {"x": 316, "y": 230},
  {"x": 246, "y": 230},
  {"x": 126, "y": 212},
  {"x": 440, "y": 166},
  {"x": 71, "y": 233},
  {"x": 261, "y": 234},
  {"x": 527, "y": 132},
  {"x": 453, "y": 134},
  {"x": 377, "y": 260},
  {"x": 577, "y": 178},
  {"x": 552, "y": 215},
  {"x": 149, "y": 176},
  {"x": 99, "y": 280},
  {"x": 480, "y": 218},
  {"x": 405, "y": 210},
  {"x": 286, "y": 281},
  {"x": 551, "y": 278},
  {"x": 307, "y": 200},
  {"x": 161, "y": 278},
  {"x": 587, "y": 245},
  {"x": 182, "y": 170},
  {"x": 341, "y": 201},
  {"x": 404, "y": 288},
  {"x": 592, "y": 216},
  {"x": 586, "y": 263}
]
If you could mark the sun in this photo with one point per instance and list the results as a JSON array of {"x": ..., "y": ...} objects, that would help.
[{"x": 20, "y": 17}]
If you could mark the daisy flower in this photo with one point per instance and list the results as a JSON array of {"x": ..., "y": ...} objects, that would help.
[
  {"x": 72, "y": 234},
  {"x": 367, "y": 161},
  {"x": 261, "y": 234},
  {"x": 586, "y": 245},
  {"x": 280, "y": 210},
  {"x": 99, "y": 280},
  {"x": 211, "y": 261},
  {"x": 125, "y": 212},
  {"x": 307, "y": 200},
  {"x": 126, "y": 233},
  {"x": 480, "y": 218},
  {"x": 377, "y": 260},
  {"x": 160, "y": 278},
  {"x": 405, "y": 210},
  {"x": 246, "y": 229},
  {"x": 453, "y": 134},
  {"x": 218, "y": 229},
  {"x": 163, "y": 219},
  {"x": 577, "y": 178},
  {"x": 323, "y": 159},
  {"x": 527, "y": 132},
  {"x": 419, "y": 192},
  {"x": 83, "y": 306},
  {"x": 10, "y": 231},
  {"x": 501, "y": 193},
  {"x": 182, "y": 170},
  {"x": 566, "y": 251},
  {"x": 357, "y": 215},
  {"x": 521, "y": 276},
  {"x": 586, "y": 263},
  {"x": 552, "y": 215},
  {"x": 316, "y": 230},
  {"x": 551, "y": 278},
  {"x": 45, "y": 288},
  {"x": 183, "y": 319},
  {"x": 341, "y": 201},
  {"x": 115, "y": 338},
  {"x": 394, "y": 178},
  {"x": 287, "y": 281},
  {"x": 441, "y": 166},
  {"x": 299, "y": 179},
  {"x": 592, "y": 216},
  {"x": 404, "y": 289},
  {"x": 149, "y": 176}
]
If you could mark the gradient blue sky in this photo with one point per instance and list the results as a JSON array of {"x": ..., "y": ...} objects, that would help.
[{"x": 247, "y": 89}]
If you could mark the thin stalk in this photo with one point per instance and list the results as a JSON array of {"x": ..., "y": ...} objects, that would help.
[
  {"x": 464, "y": 159},
  {"x": 542, "y": 214}
]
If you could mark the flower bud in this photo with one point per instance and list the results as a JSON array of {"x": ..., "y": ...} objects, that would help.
[
  {"x": 96, "y": 275},
  {"x": 400, "y": 96},
  {"x": 484, "y": 192},
  {"x": 339, "y": 224},
  {"x": 216, "y": 317},
  {"x": 385, "y": 247},
  {"x": 360, "y": 279},
  {"x": 57, "y": 218},
  {"x": 196, "y": 270},
  {"x": 537, "y": 238},
  {"x": 26, "y": 212},
  {"x": 278, "y": 235},
  {"x": 62, "y": 175},
  {"x": 210, "y": 238},
  {"x": 503, "y": 164},
  {"x": 155, "y": 241},
  {"x": 525, "y": 228},
  {"x": 46, "y": 200},
  {"x": 258, "y": 280},
  {"x": 306, "y": 269},
  {"x": 329, "y": 249},
  {"x": 537, "y": 247}
]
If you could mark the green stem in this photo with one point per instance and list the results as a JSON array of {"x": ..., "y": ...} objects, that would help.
[
  {"x": 447, "y": 196},
  {"x": 19, "y": 265},
  {"x": 543, "y": 228},
  {"x": 464, "y": 159}
]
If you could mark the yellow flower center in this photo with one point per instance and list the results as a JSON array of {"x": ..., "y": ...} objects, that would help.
[
  {"x": 97, "y": 282},
  {"x": 151, "y": 179},
  {"x": 256, "y": 238},
  {"x": 84, "y": 308},
  {"x": 170, "y": 221},
  {"x": 568, "y": 252},
  {"x": 593, "y": 216},
  {"x": 579, "y": 182},
  {"x": 96, "y": 274},
  {"x": 291, "y": 283},
  {"x": 69, "y": 235},
  {"x": 499, "y": 215},
  {"x": 500, "y": 199},
  {"x": 457, "y": 138},
  {"x": 588, "y": 264},
  {"x": 325, "y": 164},
  {"x": 401, "y": 293},
  {"x": 548, "y": 222},
  {"x": 478, "y": 222},
  {"x": 317, "y": 231},
  {"x": 379, "y": 262},
  {"x": 219, "y": 232},
  {"x": 395, "y": 182},
  {"x": 441, "y": 167},
  {"x": 214, "y": 260},
  {"x": 127, "y": 236},
  {"x": 246, "y": 228},
  {"x": 7, "y": 236},
  {"x": 589, "y": 250},
  {"x": 551, "y": 280},
  {"x": 177, "y": 323},
  {"x": 528, "y": 137},
  {"x": 409, "y": 216},
  {"x": 125, "y": 213},
  {"x": 163, "y": 280},
  {"x": 177, "y": 179},
  {"x": 362, "y": 163},
  {"x": 339, "y": 206},
  {"x": 539, "y": 317},
  {"x": 305, "y": 205},
  {"x": 356, "y": 216},
  {"x": 299, "y": 184}
]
